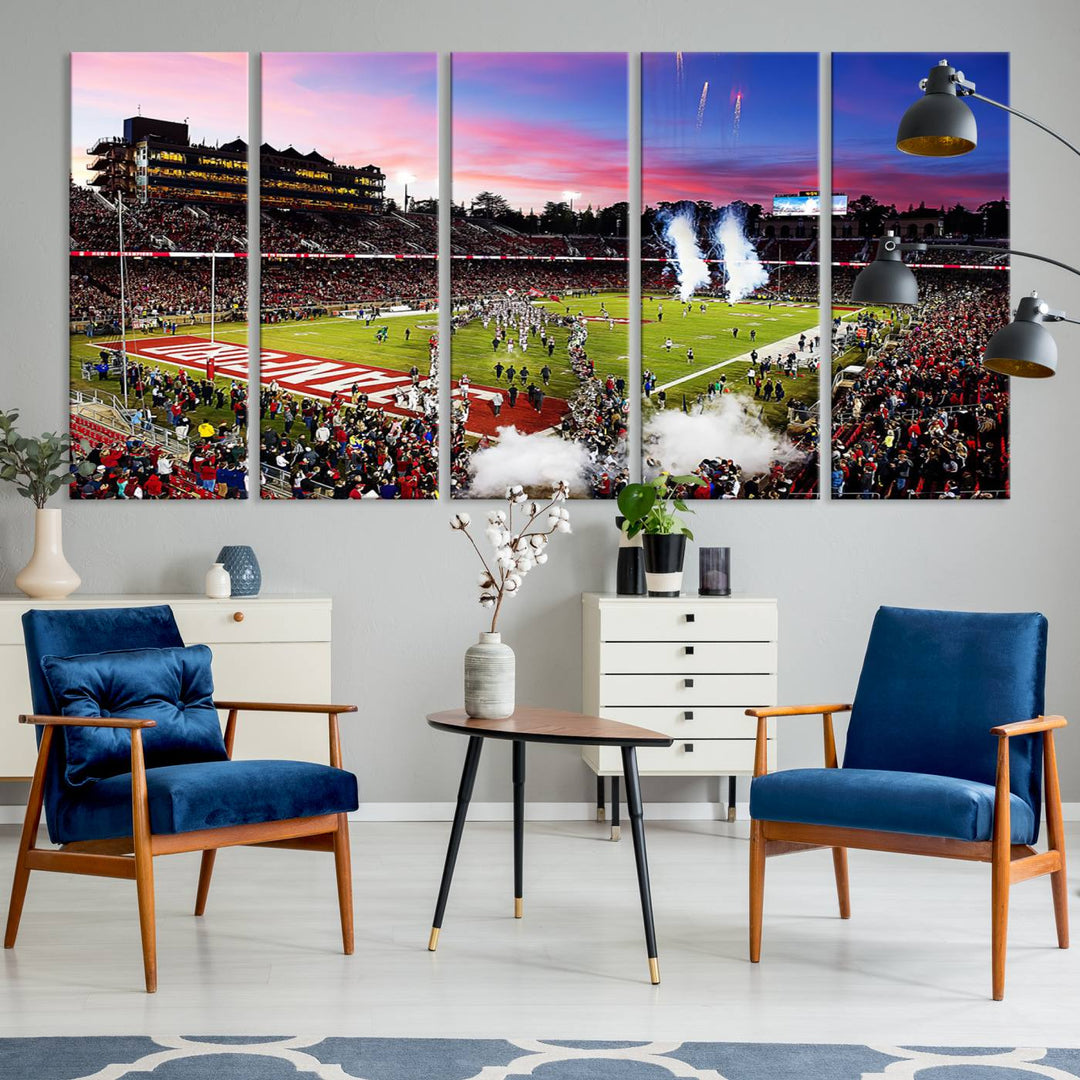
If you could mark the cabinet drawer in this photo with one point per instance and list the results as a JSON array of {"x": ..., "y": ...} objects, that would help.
[
  {"x": 214, "y": 621},
  {"x": 709, "y": 757},
  {"x": 686, "y": 691},
  {"x": 691, "y": 723},
  {"x": 688, "y": 620},
  {"x": 701, "y": 657}
]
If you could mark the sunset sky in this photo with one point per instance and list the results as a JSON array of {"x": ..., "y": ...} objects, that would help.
[
  {"x": 530, "y": 126},
  {"x": 210, "y": 89},
  {"x": 871, "y": 92},
  {"x": 359, "y": 109},
  {"x": 692, "y": 152}
]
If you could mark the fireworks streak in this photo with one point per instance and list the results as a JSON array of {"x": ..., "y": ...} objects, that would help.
[
  {"x": 737, "y": 117},
  {"x": 701, "y": 105},
  {"x": 680, "y": 74}
]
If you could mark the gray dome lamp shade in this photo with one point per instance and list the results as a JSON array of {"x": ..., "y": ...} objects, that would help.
[
  {"x": 939, "y": 124},
  {"x": 1024, "y": 348},
  {"x": 887, "y": 280}
]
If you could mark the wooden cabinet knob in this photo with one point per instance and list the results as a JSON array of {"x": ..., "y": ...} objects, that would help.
[{"x": 238, "y": 616}]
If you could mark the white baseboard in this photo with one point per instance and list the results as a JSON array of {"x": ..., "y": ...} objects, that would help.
[
  {"x": 542, "y": 811},
  {"x": 12, "y": 814}
]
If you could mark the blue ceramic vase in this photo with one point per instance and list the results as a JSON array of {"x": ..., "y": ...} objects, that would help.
[{"x": 243, "y": 568}]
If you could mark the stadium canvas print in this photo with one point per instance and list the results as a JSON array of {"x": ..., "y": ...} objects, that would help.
[
  {"x": 914, "y": 414},
  {"x": 540, "y": 349},
  {"x": 730, "y": 340},
  {"x": 349, "y": 352},
  {"x": 158, "y": 275}
]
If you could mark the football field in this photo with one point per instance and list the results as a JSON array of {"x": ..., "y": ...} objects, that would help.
[
  {"x": 309, "y": 357},
  {"x": 609, "y": 348},
  {"x": 718, "y": 351}
]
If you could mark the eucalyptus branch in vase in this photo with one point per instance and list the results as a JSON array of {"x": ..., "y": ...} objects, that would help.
[{"x": 516, "y": 549}]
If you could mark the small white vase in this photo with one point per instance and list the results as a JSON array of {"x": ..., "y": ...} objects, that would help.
[
  {"x": 48, "y": 575},
  {"x": 489, "y": 679},
  {"x": 218, "y": 582}
]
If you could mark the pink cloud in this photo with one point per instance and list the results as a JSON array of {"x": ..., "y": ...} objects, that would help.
[
  {"x": 532, "y": 163},
  {"x": 210, "y": 89}
]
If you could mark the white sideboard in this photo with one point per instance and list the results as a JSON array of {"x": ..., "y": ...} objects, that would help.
[
  {"x": 687, "y": 666},
  {"x": 266, "y": 648}
]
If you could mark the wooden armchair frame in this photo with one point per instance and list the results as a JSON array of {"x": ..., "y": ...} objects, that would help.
[
  {"x": 1010, "y": 863},
  {"x": 132, "y": 857}
]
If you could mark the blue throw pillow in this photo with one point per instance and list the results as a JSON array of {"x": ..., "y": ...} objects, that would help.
[{"x": 172, "y": 686}]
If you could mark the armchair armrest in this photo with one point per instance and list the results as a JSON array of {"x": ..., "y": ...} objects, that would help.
[
  {"x": 88, "y": 721},
  {"x": 1029, "y": 727},
  {"x": 282, "y": 706},
  {"x": 797, "y": 710},
  {"x": 330, "y": 711},
  {"x": 824, "y": 711}
]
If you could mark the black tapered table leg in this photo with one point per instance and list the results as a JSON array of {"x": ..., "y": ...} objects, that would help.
[
  {"x": 519, "y": 826},
  {"x": 600, "y": 798},
  {"x": 465, "y": 790},
  {"x": 637, "y": 827},
  {"x": 615, "y": 800},
  {"x": 731, "y": 798}
]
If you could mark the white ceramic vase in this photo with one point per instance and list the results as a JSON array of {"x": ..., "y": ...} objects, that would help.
[
  {"x": 489, "y": 678},
  {"x": 218, "y": 582},
  {"x": 48, "y": 575}
]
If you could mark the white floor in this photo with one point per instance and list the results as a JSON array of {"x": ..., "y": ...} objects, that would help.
[{"x": 911, "y": 966}]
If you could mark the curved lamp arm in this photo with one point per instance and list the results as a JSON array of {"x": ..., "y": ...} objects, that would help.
[{"x": 1016, "y": 112}]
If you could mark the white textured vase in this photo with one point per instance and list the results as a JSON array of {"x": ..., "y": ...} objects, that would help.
[
  {"x": 218, "y": 582},
  {"x": 48, "y": 575},
  {"x": 489, "y": 679}
]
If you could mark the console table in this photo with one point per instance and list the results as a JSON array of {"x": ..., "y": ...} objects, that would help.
[
  {"x": 266, "y": 648},
  {"x": 688, "y": 666}
]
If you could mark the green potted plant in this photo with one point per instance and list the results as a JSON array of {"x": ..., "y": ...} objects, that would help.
[
  {"x": 38, "y": 467},
  {"x": 652, "y": 509}
]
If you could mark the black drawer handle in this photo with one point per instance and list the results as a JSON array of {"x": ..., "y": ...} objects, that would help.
[
  {"x": 689, "y": 650},
  {"x": 688, "y": 747},
  {"x": 689, "y": 616},
  {"x": 688, "y": 683},
  {"x": 688, "y": 715}
]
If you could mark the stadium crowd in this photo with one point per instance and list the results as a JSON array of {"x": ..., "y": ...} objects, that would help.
[
  {"x": 924, "y": 419},
  {"x": 350, "y": 448}
]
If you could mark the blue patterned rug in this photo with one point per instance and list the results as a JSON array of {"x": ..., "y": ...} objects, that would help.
[{"x": 284, "y": 1058}]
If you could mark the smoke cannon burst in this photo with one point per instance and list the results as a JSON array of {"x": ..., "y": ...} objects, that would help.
[
  {"x": 736, "y": 117},
  {"x": 536, "y": 461},
  {"x": 680, "y": 238},
  {"x": 743, "y": 270},
  {"x": 680, "y": 74},
  {"x": 701, "y": 105}
]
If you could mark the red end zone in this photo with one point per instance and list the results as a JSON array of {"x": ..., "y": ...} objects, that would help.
[{"x": 316, "y": 377}]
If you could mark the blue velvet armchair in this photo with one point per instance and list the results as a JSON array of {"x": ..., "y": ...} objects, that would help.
[
  {"x": 947, "y": 752},
  {"x": 132, "y": 763}
]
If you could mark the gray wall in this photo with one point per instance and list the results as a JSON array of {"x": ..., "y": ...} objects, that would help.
[{"x": 402, "y": 584}]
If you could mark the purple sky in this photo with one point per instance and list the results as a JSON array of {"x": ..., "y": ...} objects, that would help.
[
  {"x": 690, "y": 147},
  {"x": 210, "y": 89},
  {"x": 359, "y": 109},
  {"x": 871, "y": 92},
  {"x": 530, "y": 126}
]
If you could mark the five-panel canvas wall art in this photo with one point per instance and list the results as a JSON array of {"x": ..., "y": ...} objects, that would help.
[{"x": 541, "y": 368}]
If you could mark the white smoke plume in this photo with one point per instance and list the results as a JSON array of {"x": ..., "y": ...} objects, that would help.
[
  {"x": 536, "y": 461},
  {"x": 742, "y": 267},
  {"x": 691, "y": 269},
  {"x": 679, "y": 442}
]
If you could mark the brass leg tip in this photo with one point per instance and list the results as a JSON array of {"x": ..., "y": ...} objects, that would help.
[
  {"x": 519, "y": 907},
  {"x": 433, "y": 940},
  {"x": 600, "y": 813},
  {"x": 616, "y": 832},
  {"x": 654, "y": 971}
]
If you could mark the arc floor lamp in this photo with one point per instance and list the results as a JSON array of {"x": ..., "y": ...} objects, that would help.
[{"x": 941, "y": 124}]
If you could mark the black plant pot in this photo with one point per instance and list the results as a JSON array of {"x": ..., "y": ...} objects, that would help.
[
  {"x": 664, "y": 555},
  {"x": 630, "y": 570}
]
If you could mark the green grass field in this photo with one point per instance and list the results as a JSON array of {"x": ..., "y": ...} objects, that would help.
[
  {"x": 709, "y": 334},
  {"x": 329, "y": 338},
  {"x": 609, "y": 349}
]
